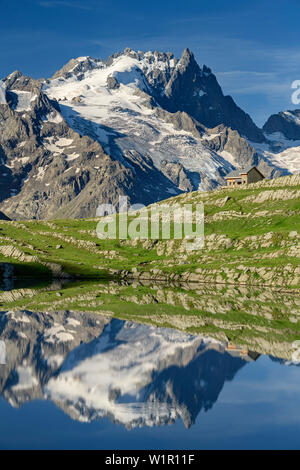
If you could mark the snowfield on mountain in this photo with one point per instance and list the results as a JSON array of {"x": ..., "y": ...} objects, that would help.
[
  {"x": 122, "y": 119},
  {"x": 144, "y": 125}
]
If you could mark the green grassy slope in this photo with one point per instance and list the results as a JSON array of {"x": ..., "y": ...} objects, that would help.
[
  {"x": 261, "y": 320},
  {"x": 252, "y": 237}
]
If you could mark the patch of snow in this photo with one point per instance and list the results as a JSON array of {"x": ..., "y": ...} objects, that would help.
[
  {"x": 292, "y": 117},
  {"x": 57, "y": 334},
  {"x": 72, "y": 156},
  {"x": 22, "y": 335},
  {"x": 2, "y": 93},
  {"x": 63, "y": 142},
  {"x": 24, "y": 160},
  {"x": 26, "y": 379},
  {"x": 41, "y": 173},
  {"x": 57, "y": 146},
  {"x": 17, "y": 318},
  {"x": 14, "y": 161},
  {"x": 210, "y": 136}
]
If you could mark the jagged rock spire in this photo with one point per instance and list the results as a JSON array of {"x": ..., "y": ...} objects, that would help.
[{"x": 197, "y": 92}]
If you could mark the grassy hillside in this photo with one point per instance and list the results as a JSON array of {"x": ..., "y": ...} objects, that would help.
[
  {"x": 261, "y": 320},
  {"x": 252, "y": 237}
]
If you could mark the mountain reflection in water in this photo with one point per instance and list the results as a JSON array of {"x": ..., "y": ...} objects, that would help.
[{"x": 94, "y": 367}]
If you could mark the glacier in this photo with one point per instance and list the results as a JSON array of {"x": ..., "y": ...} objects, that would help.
[{"x": 122, "y": 122}]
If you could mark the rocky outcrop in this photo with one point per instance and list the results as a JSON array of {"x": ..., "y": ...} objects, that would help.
[
  {"x": 181, "y": 121},
  {"x": 197, "y": 92},
  {"x": 230, "y": 144},
  {"x": 287, "y": 123},
  {"x": 112, "y": 83},
  {"x": 78, "y": 67},
  {"x": 177, "y": 174}
]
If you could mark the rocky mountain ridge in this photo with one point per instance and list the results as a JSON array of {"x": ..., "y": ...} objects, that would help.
[
  {"x": 145, "y": 125},
  {"x": 66, "y": 359}
]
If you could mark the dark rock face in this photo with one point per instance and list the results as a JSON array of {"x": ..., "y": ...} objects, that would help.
[
  {"x": 197, "y": 92},
  {"x": 288, "y": 123},
  {"x": 112, "y": 83},
  {"x": 3, "y": 216}
]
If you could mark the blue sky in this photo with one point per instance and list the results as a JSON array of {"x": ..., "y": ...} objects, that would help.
[{"x": 252, "y": 46}]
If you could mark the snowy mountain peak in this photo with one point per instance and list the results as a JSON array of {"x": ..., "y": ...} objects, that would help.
[
  {"x": 2, "y": 92},
  {"x": 78, "y": 66},
  {"x": 144, "y": 124},
  {"x": 117, "y": 103},
  {"x": 176, "y": 85}
]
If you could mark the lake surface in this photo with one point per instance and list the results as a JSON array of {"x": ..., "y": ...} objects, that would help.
[{"x": 78, "y": 380}]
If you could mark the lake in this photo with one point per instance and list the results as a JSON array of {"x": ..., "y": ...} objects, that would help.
[{"x": 85, "y": 379}]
